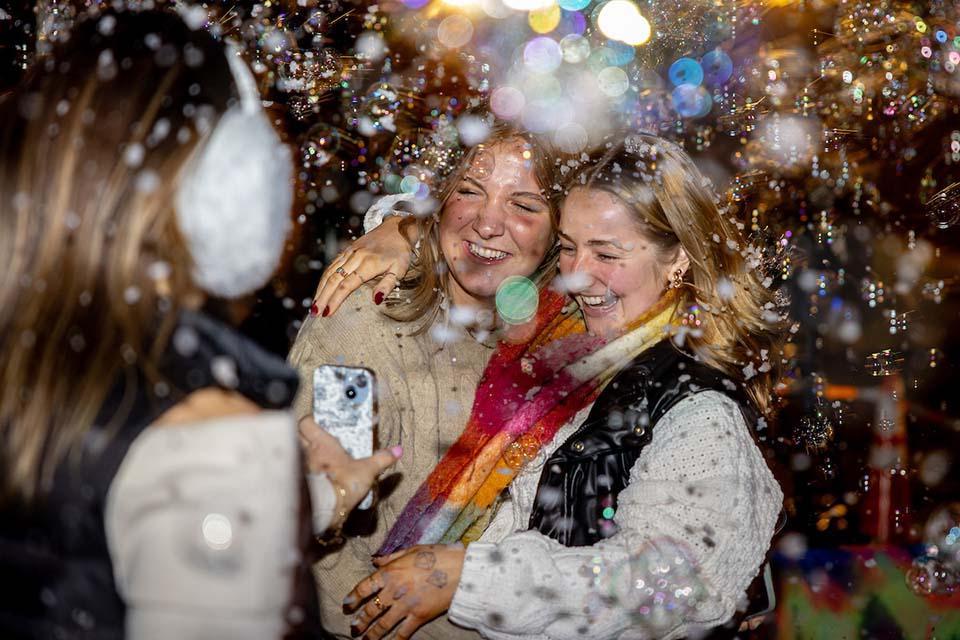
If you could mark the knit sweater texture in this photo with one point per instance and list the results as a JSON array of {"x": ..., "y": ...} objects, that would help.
[
  {"x": 425, "y": 392},
  {"x": 694, "y": 525}
]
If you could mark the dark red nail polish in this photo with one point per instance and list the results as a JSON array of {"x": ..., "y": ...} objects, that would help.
[
  {"x": 377, "y": 299},
  {"x": 326, "y": 311},
  {"x": 314, "y": 309}
]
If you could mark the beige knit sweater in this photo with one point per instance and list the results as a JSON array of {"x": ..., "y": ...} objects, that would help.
[{"x": 426, "y": 391}]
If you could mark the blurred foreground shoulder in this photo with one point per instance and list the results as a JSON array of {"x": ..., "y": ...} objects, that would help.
[{"x": 201, "y": 523}]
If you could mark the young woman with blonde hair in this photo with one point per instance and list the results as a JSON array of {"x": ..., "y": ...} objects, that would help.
[
  {"x": 639, "y": 504},
  {"x": 150, "y": 482},
  {"x": 429, "y": 342}
]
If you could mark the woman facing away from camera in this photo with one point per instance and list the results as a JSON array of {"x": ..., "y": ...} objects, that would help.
[
  {"x": 150, "y": 483},
  {"x": 639, "y": 504},
  {"x": 429, "y": 343}
]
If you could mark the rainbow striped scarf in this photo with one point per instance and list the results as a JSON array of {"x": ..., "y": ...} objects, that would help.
[{"x": 527, "y": 392}]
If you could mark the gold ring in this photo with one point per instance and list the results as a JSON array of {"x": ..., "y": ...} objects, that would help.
[{"x": 376, "y": 601}]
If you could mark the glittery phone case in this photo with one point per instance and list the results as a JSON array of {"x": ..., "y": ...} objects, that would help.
[{"x": 344, "y": 404}]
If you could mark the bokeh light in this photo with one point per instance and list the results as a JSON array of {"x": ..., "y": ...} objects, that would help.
[
  {"x": 717, "y": 67},
  {"x": 691, "y": 101},
  {"x": 621, "y": 20},
  {"x": 528, "y": 5},
  {"x": 613, "y": 81},
  {"x": 507, "y": 102},
  {"x": 685, "y": 71},
  {"x": 575, "y": 48},
  {"x": 517, "y": 300},
  {"x": 544, "y": 20},
  {"x": 455, "y": 31},
  {"x": 542, "y": 55}
]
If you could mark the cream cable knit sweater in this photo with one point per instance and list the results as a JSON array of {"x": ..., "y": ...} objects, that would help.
[
  {"x": 425, "y": 394},
  {"x": 695, "y": 522}
]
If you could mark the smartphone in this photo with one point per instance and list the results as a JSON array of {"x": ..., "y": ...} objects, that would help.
[{"x": 344, "y": 404}]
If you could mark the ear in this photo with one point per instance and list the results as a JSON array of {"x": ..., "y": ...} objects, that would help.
[{"x": 681, "y": 262}]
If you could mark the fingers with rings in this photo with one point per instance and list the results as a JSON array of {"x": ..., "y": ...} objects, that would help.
[
  {"x": 367, "y": 587},
  {"x": 368, "y": 613},
  {"x": 333, "y": 278},
  {"x": 352, "y": 278}
]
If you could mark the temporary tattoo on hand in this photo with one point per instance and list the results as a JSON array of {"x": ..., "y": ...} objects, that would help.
[
  {"x": 425, "y": 560},
  {"x": 401, "y": 591},
  {"x": 438, "y": 579}
]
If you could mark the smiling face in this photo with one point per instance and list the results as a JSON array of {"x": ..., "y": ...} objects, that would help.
[
  {"x": 496, "y": 223},
  {"x": 615, "y": 271}
]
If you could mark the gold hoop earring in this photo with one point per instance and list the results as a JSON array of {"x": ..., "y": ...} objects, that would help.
[{"x": 677, "y": 279}]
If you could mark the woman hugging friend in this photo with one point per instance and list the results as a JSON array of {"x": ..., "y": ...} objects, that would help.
[
  {"x": 615, "y": 446},
  {"x": 429, "y": 343}
]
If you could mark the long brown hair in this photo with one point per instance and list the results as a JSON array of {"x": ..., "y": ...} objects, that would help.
[
  {"x": 736, "y": 327},
  {"x": 420, "y": 292},
  {"x": 93, "y": 142}
]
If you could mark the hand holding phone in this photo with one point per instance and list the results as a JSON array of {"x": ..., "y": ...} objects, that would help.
[{"x": 344, "y": 406}]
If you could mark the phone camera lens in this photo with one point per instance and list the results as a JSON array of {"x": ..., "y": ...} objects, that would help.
[
  {"x": 351, "y": 393},
  {"x": 361, "y": 381}
]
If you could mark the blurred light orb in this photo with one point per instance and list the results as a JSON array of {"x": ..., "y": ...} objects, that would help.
[
  {"x": 571, "y": 22},
  {"x": 495, "y": 9},
  {"x": 618, "y": 53},
  {"x": 685, "y": 71},
  {"x": 507, "y": 102},
  {"x": 415, "y": 4},
  {"x": 517, "y": 300},
  {"x": 370, "y": 45},
  {"x": 571, "y": 138},
  {"x": 528, "y": 5},
  {"x": 473, "y": 129},
  {"x": 691, "y": 101},
  {"x": 609, "y": 56},
  {"x": 544, "y": 20},
  {"x": 276, "y": 40},
  {"x": 409, "y": 184},
  {"x": 717, "y": 67},
  {"x": 789, "y": 140},
  {"x": 573, "y": 5},
  {"x": 621, "y": 20},
  {"x": 217, "y": 531},
  {"x": 542, "y": 55},
  {"x": 455, "y": 31},
  {"x": 575, "y": 48},
  {"x": 456, "y": 3},
  {"x": 613, "y": 81}
]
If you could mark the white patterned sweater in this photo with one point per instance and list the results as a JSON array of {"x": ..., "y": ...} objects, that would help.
[{"x": 695, "y": 523}]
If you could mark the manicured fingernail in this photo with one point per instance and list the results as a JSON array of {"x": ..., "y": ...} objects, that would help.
[
  {"x": 377, "y": 299},
  {"x": 349, "y": 600},
  {"x": 397, "y": 451},
  {"x": 326, "y": 311},
  {"x": 314, "y": 309}
]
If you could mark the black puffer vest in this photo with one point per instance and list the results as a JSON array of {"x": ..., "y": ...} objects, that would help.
[
  {"x": 56, "y": 575},
  {"x": 577, "y": 494}
]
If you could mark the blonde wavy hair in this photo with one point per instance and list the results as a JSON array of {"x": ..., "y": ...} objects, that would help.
[
  {"x": 740, "y": 331},
  {"x": 427, "y": 282},
  {"x": 92, "y": 145}
]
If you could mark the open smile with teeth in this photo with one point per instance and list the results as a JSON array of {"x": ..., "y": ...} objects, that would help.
[
  {"x": 485, "y": 253},
  {"x": 598, "y": 301}
]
